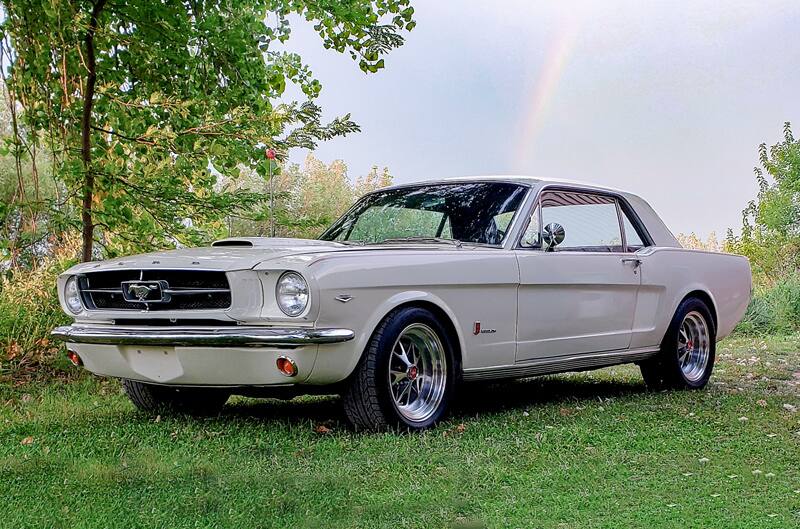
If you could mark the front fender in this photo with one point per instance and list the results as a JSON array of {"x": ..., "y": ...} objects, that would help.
[{"x": 336, "y": 362}]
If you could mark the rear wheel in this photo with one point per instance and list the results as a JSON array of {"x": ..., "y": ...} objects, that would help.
[
  {"x": 153, "y": 398},
  {"x": 686, "y": 358},
  {"x": 405, "y": 379}
]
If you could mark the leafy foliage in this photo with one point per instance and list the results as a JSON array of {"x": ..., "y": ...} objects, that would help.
[
  {"x": 29, "y": 308},
  {"x": 693, "y": 241},
  {"x": 308, "y": 198},
  {"x": 770, "y": 238},
  {"x": 774, "y": 308},
  {"x": 771, "y": 223},
  {"x": 143, "y": 105}
]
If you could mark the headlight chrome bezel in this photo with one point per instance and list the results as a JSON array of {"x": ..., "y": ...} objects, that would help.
[
  {"x": 298, "y": 290},
  {"x": 72, "y": 296}
]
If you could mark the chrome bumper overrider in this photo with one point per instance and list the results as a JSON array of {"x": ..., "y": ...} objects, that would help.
[{"x": 214, "y": 337}]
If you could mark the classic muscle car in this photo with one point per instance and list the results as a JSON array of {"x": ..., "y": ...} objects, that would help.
[{"x": 413, "y": 291}]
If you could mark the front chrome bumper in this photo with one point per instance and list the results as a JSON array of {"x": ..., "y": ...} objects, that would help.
[{"x": 211, "y": 337}]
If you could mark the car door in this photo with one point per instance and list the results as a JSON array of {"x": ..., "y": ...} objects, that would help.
[{"x": 577, "y": 296}]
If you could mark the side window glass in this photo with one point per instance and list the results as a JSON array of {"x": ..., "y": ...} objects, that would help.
[
  {"x": 590, "y": 222},
  {"x": 632, "y": 237},
  {"x": 530, "y": 239}
]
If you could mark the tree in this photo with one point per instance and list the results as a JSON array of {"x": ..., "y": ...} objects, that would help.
[
  {"x": 308, "y": 197},
  {"x": 771, "y": 223},
  {"x": 692, "y": 240},
  {"x": 142, "y": 104}
]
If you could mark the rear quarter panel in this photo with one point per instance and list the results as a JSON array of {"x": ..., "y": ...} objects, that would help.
[{"x": 670, "y": 274}]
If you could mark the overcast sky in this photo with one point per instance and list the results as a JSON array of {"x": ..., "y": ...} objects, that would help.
[{"x": 663, "y": 98}]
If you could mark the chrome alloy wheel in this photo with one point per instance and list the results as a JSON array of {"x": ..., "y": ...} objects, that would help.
[
  {"x": 694, "y": 346},
  {"x": 418, "y": 372}
]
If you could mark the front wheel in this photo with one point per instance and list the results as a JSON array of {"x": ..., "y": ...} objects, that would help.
[
  {"x": 152, "y": 398},
  {"x": 687, "y": 353},
  {"x": 406, "y": 376}
]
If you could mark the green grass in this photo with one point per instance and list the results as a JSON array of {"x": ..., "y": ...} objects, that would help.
[{"x": 578, "y": 450}]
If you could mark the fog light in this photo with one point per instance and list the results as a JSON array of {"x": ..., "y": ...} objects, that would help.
[
  {"x": 74, "y": 358},
  {"x": 286, "y": 366}
]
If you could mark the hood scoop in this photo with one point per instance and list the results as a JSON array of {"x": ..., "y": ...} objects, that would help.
[
  {"x": 269, "y": 242},
  {"x": 236, "y": 243}
]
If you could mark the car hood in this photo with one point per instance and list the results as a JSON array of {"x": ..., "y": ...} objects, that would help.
[
  {"x": 246, "y": 253},
  {"x": 228, "y": 255}
]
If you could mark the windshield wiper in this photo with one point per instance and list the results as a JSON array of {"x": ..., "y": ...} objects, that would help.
[{"x": 454, "y": 242}]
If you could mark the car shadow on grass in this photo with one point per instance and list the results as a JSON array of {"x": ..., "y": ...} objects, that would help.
[
  {"x": 487, "y": 398},
  {"x": 473, "y": 399},
  {"x": 317, "y": 408}
]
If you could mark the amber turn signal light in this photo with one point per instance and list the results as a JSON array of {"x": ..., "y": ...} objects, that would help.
[{"x": 286, "y": 366}]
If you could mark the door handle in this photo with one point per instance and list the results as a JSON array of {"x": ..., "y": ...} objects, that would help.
[{"x": 635, "y": 260}]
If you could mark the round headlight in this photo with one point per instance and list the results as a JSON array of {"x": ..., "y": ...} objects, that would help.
[
  {"x": 292, "y": 294},
  {"x": 72, "y": 296}
]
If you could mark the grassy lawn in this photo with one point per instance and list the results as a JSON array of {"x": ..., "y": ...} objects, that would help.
[{"x": 578, "y": 450}]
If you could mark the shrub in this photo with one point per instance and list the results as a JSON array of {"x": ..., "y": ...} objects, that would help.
[
  {"x": 29, "y": 309},
  {"x": 774, "y": 309}
]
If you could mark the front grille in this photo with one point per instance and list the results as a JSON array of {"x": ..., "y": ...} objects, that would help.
[{"x": 169, "y": 290}]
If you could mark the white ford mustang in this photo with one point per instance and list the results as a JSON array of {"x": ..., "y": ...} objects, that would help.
[{"x": 416, "y": 289}]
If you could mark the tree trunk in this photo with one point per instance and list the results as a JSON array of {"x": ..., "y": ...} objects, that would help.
[{"x": 86, "y": 131}]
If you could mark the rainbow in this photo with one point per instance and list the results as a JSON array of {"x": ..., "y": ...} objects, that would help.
[{"x": 547, "y": 79}]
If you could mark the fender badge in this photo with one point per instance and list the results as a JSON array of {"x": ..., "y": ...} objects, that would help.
[
  {"x": 344, "y": 298},
  {"x": 476, "y": 329}
]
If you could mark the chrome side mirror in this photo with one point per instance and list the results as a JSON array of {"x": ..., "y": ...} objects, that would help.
[{"x": 552, "y": 235}]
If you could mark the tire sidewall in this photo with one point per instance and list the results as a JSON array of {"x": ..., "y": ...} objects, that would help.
[
  {"x": 669, "y": 346},
  {"x": 395, "y": 325}
]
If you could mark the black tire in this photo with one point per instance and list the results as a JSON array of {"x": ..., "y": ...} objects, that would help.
[
  {"x": 157, "y": 399},
  {"x": 664, "y": 371},
  {"x": 368, "y": 400}
]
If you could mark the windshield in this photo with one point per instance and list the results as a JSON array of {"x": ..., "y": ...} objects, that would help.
[{"x": 474, "y": 212}]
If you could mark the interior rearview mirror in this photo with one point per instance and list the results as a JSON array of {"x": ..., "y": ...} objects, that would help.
[{"x": 552, "y": 235}]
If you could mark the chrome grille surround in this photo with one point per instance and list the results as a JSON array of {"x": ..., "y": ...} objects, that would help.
[{"x": 177, "y": 290}]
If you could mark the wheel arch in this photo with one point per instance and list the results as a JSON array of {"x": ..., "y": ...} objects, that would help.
[
  {"x": 424, "y": 300},
  {"x": 446, "y": 321},
  {"x": 706, "y": 298},
  {"x": 693, "y": 292}
]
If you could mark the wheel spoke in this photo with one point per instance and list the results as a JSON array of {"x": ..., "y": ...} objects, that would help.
[
  {"x": 398, "y": 376},
  {"x": 414, "y": 391},
  {"x": 402, "y": 354},
  {"x": 412, "y": 353},
  {"x": 407, "y": 393},
  {"x": 683, "y": 339},
  {"x": 682, "y": 354}
]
